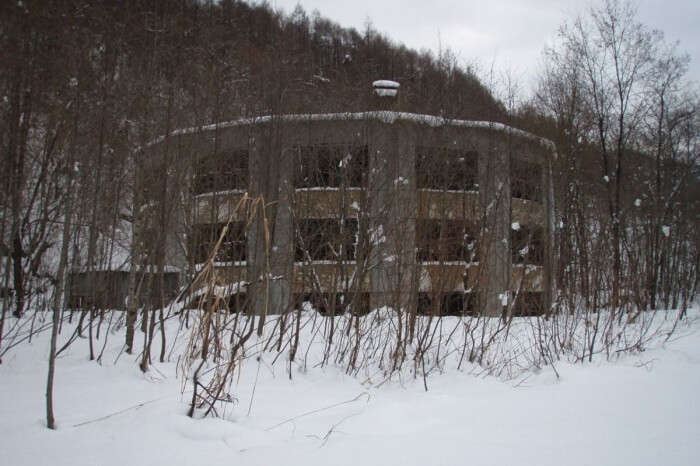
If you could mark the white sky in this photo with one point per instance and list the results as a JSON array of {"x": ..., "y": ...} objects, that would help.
[{"x": 506, "y": 35}]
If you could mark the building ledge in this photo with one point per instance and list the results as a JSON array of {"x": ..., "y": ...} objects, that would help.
[{"x": 381, "y": 116}]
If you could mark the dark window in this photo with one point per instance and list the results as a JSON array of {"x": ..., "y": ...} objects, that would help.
[
  {"x": 528, "y": 303},
  {"x": 451, "y": 304},
  {"x": 525, "y": 180},
  {"x": 335, "y": 303},
  {"x": 232, "y": 248},
  {"x": 355, "y": 172},
  {"x": 527, "y": 245},
  {"x": 446, "y": 169},
  {"x": 331, "y": 165},
  {"x": 325, "y": 239},
  {"x": 238, "y": 302},
  {"x": 425, "y": 304},
  {"x": 471, "y": 303},
  {"x": 446, "y": 240},
  {"x": 428, "y": 240},
  {"x": 222, "y": 172}
]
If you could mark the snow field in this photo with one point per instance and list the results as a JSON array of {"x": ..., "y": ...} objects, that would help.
[{"x": 641, "y": 408}]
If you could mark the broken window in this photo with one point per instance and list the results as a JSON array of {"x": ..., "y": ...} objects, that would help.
[
  {"x": 355, "y": 172},
  {"x": 525, "y": 180},
  {"x": 222, "y": 172},
  {"x": 446, "y": 240},
  {"x": 451, "y": 304},
  {"x": 325, "y": 239},
  {"x": 446, "y": 169},
  {"x": 238, "y": 302},
  {"x": 232, "y": 248},
  {"x": 331, "y": 165},
  {"x": 527, "y": 245},
  {"x": 528, "y": 303},
  {"x": 428, "y": 240}
]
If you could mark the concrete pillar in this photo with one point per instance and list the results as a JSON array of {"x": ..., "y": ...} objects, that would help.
[
  {"x": 282, "y": 248},
  {"x": 393, "y": 210},
  {"x": 270, "y": 236},
  {"x": 255, "y": 233},
  {"x": 494, "y": 192},
  {"x": 382, "y": 152}
]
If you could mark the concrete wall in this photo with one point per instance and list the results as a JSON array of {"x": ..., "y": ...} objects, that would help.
[{"x": 389, "y": 208}]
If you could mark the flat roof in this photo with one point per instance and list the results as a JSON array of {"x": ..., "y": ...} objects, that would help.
[{"x": 378, "y": 115}]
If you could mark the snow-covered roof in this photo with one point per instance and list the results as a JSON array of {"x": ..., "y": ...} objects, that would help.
[
  {"x": 379, "y": 115},
  {"x": 126, "y": 267},
  {"x": 386, "y": 83}
]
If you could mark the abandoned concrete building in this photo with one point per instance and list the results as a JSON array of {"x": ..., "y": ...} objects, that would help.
[{"x": 354, "y": 211}]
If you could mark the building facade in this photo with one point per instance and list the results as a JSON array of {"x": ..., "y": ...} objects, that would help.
[{"x": 354, "y": 211}]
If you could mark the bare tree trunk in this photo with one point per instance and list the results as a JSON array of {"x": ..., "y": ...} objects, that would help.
[
  {"x": 134, "y": 287},
  {"x": 50, "y": 421},
  {"x": 58, "y": 291},
  {"x": 145, "y": 356}
]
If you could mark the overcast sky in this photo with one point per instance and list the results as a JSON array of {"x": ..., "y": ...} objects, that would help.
[{"x": 509, "y": 34}]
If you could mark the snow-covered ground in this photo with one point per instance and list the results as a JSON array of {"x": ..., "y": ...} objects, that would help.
[{"x": 641, "y": 409}]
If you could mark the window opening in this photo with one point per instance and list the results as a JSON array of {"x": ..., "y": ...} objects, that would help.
[
  {"x": 324, "y": 239},
  {"x": 232, "y": 248},
  {"x": 446, "y": 240},
  {"x": 222, "y": 172},
  {"x": 525, "y": 180},
  {"x": 446, "y": 168},
  {"x": 331, "y": 165}
]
